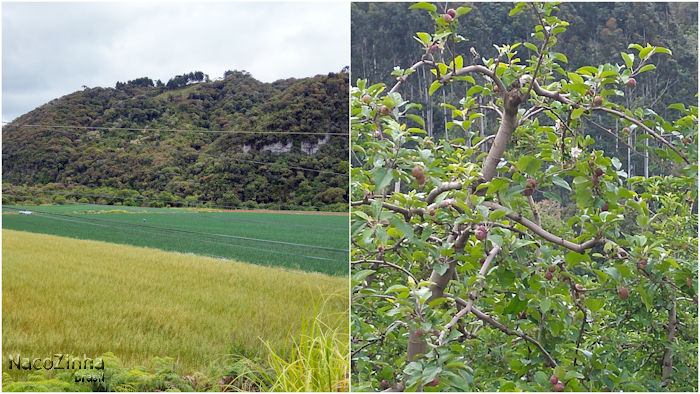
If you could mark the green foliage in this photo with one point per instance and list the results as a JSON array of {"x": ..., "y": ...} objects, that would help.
[
  {"x": 320, "y": 246},
  {"x": 157, "y": 153},
  {"x": 541, "y": 250}
]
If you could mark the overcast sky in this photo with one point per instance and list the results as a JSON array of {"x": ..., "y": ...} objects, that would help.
[{"x": 52, "y": 49}]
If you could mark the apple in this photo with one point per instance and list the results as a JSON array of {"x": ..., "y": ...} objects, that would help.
[
  {"x": 626, "y": 131},
  {"x": 531, "y": 183},
  {"x": 480, "y": 233},
  {"x": 599, "y": 171},
  {"x": 419, "y": 174},
  {"x": 384, "y": 385},
  {"x": 366, "y": 98},
  {"x": 623, "y": 292},
  {"x": 527, "y": 192},
  {"x": 447, "y": 18},
  {"x": 559, "y": 386},
  {"x": 553, "y": 379},
  {"x": 495, "y": 88},
  {"x": 597, "y": 100},
  {"x": 589, "y": 92},
  {"x": 631, "y": 82},
  {"x": 384, "y": 110},
  {"x": 552, "y": 268},
  {"x": 451, "y": 12},
  {"x": 579, "y": 287},
  {"x": 432, "y": 212},
  {"x": 548, "y": 275},
  {"x": 605, "y": 207},
  {"x": 433, "y": 382}
]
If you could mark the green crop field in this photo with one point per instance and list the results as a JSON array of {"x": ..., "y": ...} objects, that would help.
[
  {"x": 63, "y": 295},
  {"x": 305, "y": 241}
]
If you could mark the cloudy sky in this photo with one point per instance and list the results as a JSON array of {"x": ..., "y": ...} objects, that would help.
[{"x": 52, "y": 49}]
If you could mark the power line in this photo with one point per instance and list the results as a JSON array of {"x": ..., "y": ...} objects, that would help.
[
  {"x": 67, "y": 192},
  {"x": 144, "y": 129},
  {"x": 237, "y": 237},
  {"x": 215, "y": 156}
]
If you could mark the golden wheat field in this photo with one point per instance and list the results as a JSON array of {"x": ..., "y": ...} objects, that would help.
[{"x": 79, "y": 297}]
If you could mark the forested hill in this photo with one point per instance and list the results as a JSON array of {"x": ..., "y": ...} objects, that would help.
[{"x": 153, "y": 143}]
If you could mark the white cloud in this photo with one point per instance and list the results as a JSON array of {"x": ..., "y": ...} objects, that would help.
[{"x": 52, "y": 49}]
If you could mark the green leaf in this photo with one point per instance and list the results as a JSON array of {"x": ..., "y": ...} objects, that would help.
[
  {"x": 561, "y": 183},
  {"x": 529, "y": 164},
  {"x": 559, "y": 56},
  {"x": 434, "y": 86},
  {"x": 595, "y": 304},
  {"x": 545, "y": 304},
  {"x": 397, "y": 289},
  {"x": 423, "y": 6},
  {"x": 542, "y": 379},
  {"x": 531, "y": 47},
  {"x": 648, "y": 67},
  {"x": 382, "y": 178},
  {"x": 575, "y": 78},
  {"x": 515, "y": 306},
  {"x": 462, "y": 10},
  {"x": 424, "y": 38},
  {"x": 628, "y": 58},
  {"x": 360, "y": 276},
  {"x": 573, "y": 259}
]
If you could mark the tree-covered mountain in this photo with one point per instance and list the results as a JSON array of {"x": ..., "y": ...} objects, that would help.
[
  {"x": 164, "y": 141},
  {"x": 383, "y": 36}
]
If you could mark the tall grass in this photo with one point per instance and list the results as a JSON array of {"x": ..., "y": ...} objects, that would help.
[
  {"x": 319, "y": 361},
  {"x": 70, "y": 296}
]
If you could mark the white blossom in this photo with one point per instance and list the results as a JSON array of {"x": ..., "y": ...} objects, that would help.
[{"x": 575, "y": 152}]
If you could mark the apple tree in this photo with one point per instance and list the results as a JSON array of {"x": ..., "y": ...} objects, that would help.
[{"x": 521, "y": 258}]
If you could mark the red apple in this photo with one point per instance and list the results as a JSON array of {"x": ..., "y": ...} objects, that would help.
[
  {"x": 384, "y": 385},
  {"x": 451, "y": 12},
  {"x": 384, "y": 110},
  {"x": 623, "y": 292},
  {"x": 434, "y": 382},
  {"x": 599, "y": 171},
  {"x": 531, "y": 183},
  {"x": 553, "y": 379},
  {"x": 631, "y": 82},
  {"x": 366, "y": 98},
  {"x": 480, "y": 233},
  {"x": 527, "y": 192},
  {"x": 447, "y": 18},
  {"x": 597, "y": 100},
  {"x": 548, "y": 275},
  {"x": 559, "y": 386},
  {"x": 605, "y": 207}
]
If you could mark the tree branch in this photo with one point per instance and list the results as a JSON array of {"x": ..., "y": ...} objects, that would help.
[
  {"x": 645, "y": 128},
  {"x": 488, "y": 319},
  {"x": 578, "y": 248},
  {"x": 382, "y": 262},
  {"x": 472, "y": 295}
]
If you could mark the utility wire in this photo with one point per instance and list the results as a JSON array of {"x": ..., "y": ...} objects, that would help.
[
  {"x": 237, "y": 237},
  {"x": 153, "y": 209},
  {"x": 144, "y": 129},
  {"x": 221, "y": 156}
]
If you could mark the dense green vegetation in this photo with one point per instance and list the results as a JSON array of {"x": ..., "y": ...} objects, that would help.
[
  {"x": 512, "y": 253},
  {"x": 160, "y": 140},
  {"x": 383, "y": 37},
  {"x": 167, "y": 321},
  {"x": 309, "y": 242}
]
